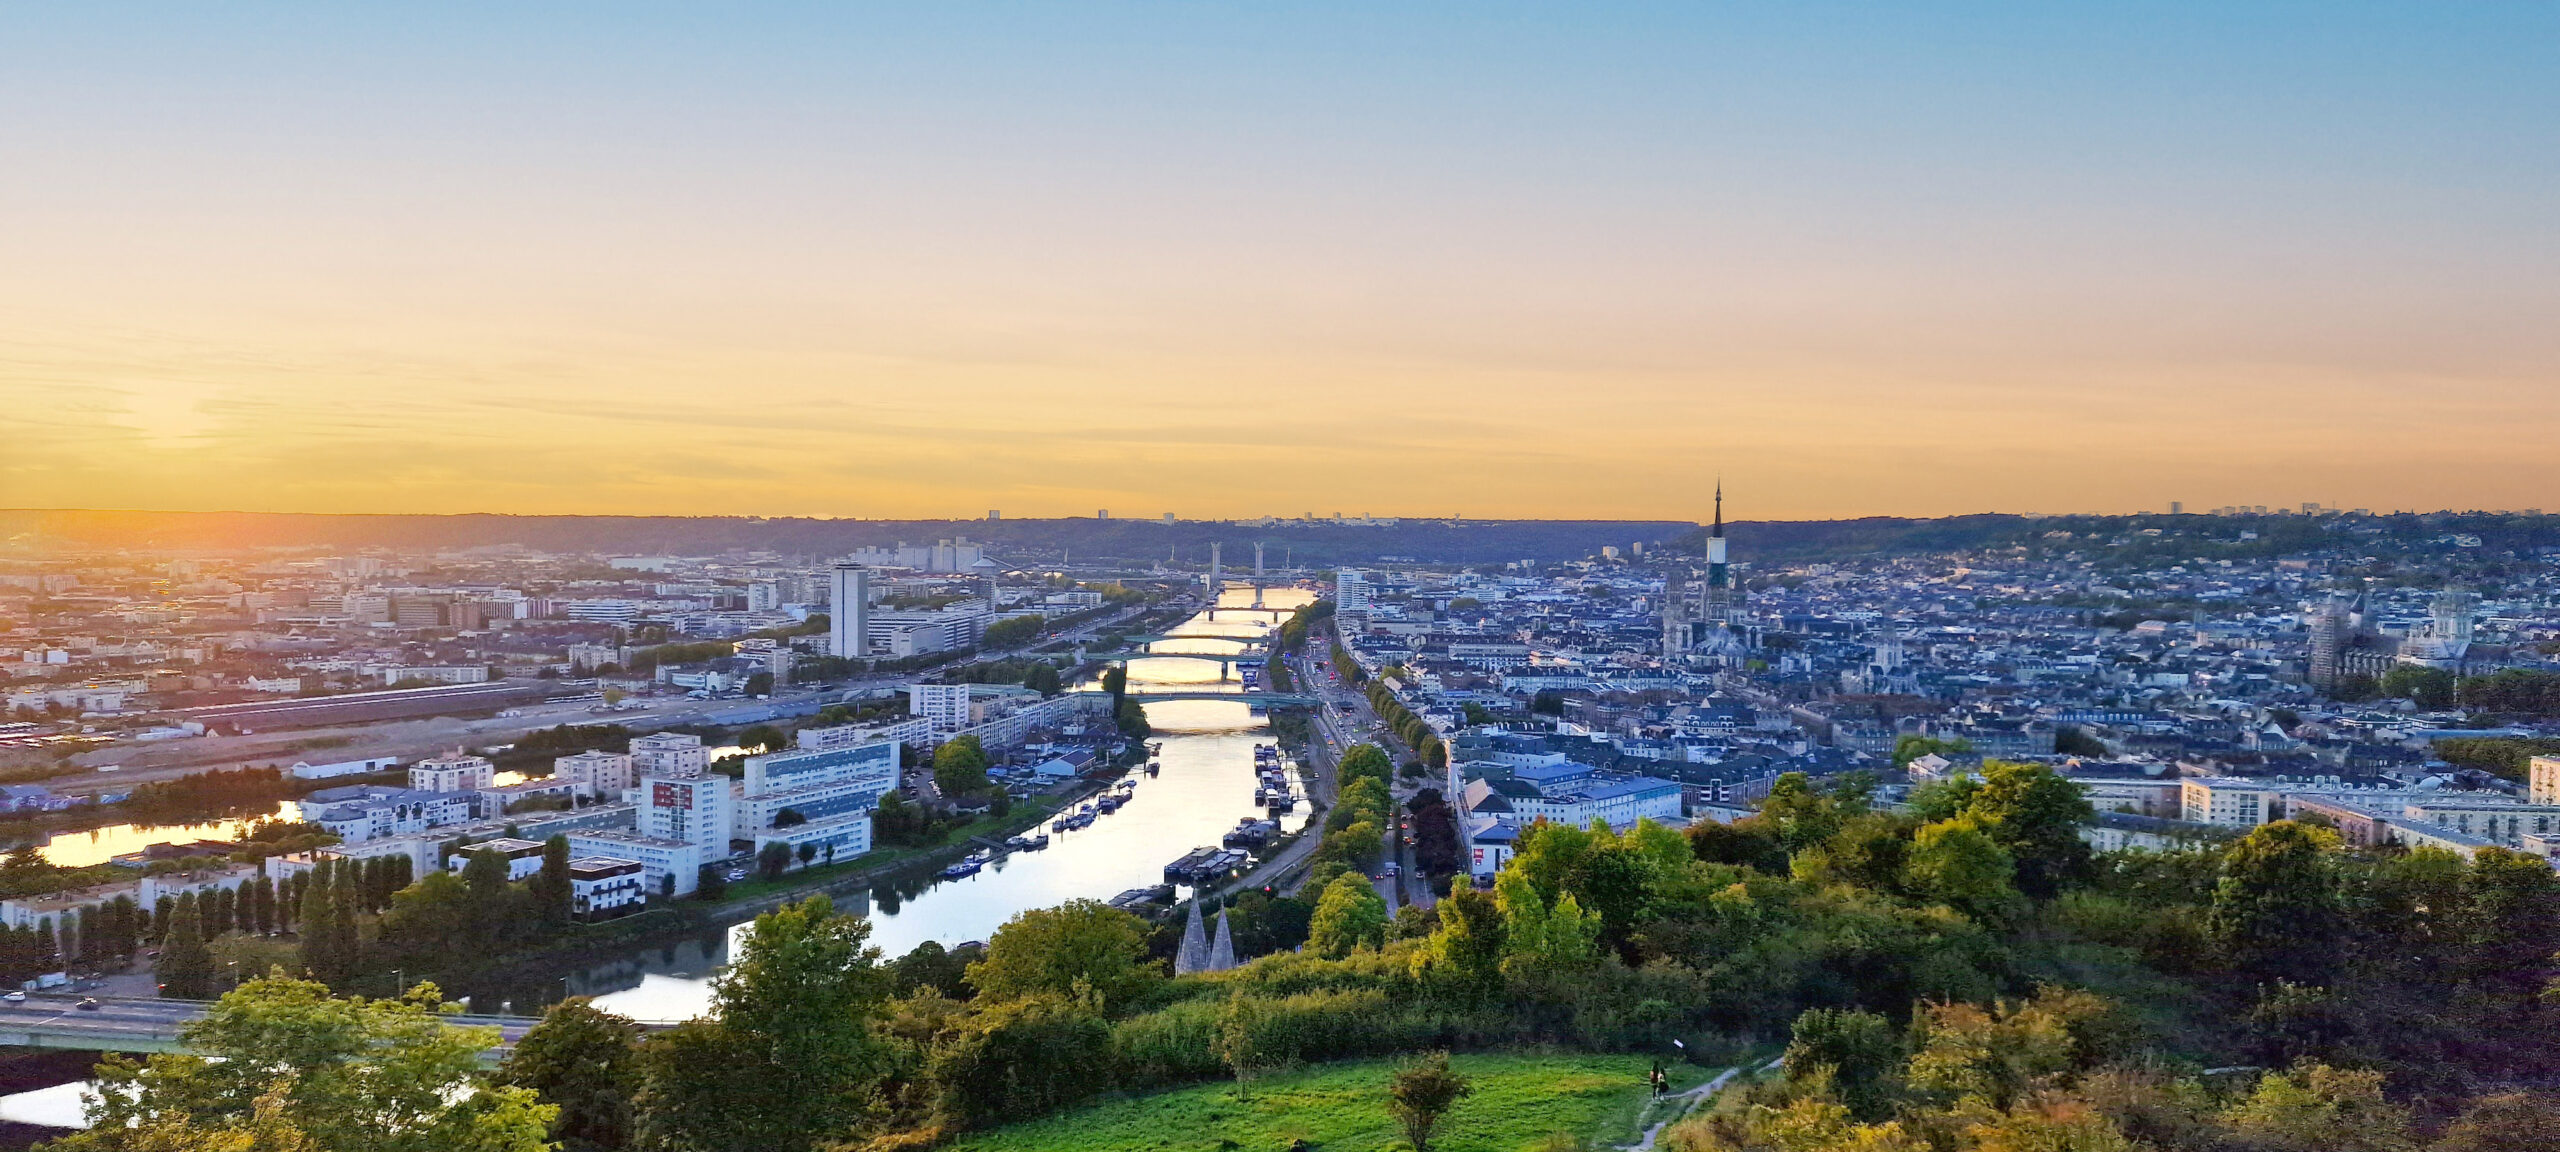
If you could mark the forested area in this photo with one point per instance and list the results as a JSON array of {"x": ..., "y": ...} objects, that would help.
[{"x": 1961, "y": 976}]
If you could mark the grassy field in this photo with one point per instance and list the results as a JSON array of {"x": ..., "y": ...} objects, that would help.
[{"x": 1519, "y": 1101}]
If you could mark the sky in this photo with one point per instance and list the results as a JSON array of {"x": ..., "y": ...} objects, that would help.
[{"x": 1221, "y": 260}]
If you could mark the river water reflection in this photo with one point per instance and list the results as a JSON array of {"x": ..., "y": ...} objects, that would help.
[{"x": 1205, "y": 787}]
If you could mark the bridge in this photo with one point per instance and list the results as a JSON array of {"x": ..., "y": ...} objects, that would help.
[
  {"x": 122, "y": 1024},
  {"x": 1254, "y": 656},
  {"x": 1266, "y": 699}
]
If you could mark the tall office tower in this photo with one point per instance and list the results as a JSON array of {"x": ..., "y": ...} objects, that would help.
[{"x": 849, "y": 613}]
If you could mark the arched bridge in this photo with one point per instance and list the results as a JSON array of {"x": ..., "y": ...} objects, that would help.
[{"x": 1266, "y": 699}]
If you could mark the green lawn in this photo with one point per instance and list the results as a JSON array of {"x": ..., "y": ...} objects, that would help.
[{"x": 1518, "y": 1102}]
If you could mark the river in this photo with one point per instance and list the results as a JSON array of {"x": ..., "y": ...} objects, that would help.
[{"x": 1205, "y": 787}]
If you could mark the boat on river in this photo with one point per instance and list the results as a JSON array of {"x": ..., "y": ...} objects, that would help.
[
  {"x": 1202, "y": 866},
  {"x": 1252, "y": 833}
]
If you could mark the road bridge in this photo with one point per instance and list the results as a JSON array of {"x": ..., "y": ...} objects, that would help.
[
  {"x": 1253, "y": 657},
  {"x": 1266, "y": 699}
]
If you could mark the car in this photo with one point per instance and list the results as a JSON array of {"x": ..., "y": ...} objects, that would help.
[
  {"x": 15, "y": 997},
  {"x": 87, "y": 1004},
  {"x": 737, "y": 874}
]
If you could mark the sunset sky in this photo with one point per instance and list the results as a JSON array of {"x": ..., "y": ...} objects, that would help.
[{"x": 1235, "y": 259}]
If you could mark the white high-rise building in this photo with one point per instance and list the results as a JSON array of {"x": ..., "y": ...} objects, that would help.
[
  {"x": 849, "y": 612},
  {"x": 764, "y": 596},
  {"x": 1350, "y": 591},
  {"x": 945, "y": 706},
  {"x": 687, "y": 807}
]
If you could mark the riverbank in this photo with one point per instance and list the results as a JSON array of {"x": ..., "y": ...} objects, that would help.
[{"x": 690, "y": 920}]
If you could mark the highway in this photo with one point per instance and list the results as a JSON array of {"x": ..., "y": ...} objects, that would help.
[
  {"x": 408, "y": 739},
  {"x": 128, "y": 1025}
]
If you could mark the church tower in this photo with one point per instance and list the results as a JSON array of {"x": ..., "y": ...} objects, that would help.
[{"x": 1719, "y": 577}]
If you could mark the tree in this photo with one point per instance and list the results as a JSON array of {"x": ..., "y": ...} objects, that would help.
[
  {"x": 2431, "y": 689},
  {"x": 1467, "y": 947},
  {"x": 1421, "y": 1093},
  {"x": 2317, "y": 1108},
  {"x": 960, "y": 767},
  {"x": 1064, "y": 951},
  {"x": 1909, "y": 748},
  {"x": 1349, "y": 916},
  {"x": 351, "y": 1076},
  {"x": 1238, "y": 1040},
  {"x": 185, "y": 970},
  {"x": 790, "y": 1055},
  {"x": 711, "y": 885},
  {"x": 930, "y": 965},
  {"x": 2507, "y": 1122},
  {"x": 1861, "y": 1051},
  {"x": 1956, "y": 864},
  {"x": 582, "y": 1061},
  {"x": 551, "y": 888},
  {"x": 2035, "y": 814},
  {"x": 773, "y": 859},
  {"x": 763, "y": 737},
  {"x": 2275, "y": 912}
]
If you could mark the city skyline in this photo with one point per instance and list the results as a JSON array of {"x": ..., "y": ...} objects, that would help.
[{"x": 1502, "y": 262}]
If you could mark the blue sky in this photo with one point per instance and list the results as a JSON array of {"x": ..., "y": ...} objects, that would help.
[{"x": 1554, "y": 260}]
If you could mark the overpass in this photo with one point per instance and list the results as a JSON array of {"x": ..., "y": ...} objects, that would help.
[{"x": 121, "y": 1024}]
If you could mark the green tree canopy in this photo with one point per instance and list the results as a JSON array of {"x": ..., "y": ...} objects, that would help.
[
  {"x": 960, "y": 767},
  {"x": 1081, "y": 944},
  {"x": 354, "y": 1076},
  {"x": 1349, "y": 916},
  {"x": 583, "y": 1061}
]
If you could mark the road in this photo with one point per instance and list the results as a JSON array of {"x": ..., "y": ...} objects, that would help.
[{"x": 129, "y": 1025}]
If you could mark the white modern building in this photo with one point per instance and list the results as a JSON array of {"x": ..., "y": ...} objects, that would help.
[
  {"x": 668, "y": 754},
  {"x": 455, "y": 773},
  {"x": 670, "y": 867},
  {"x": 944, "y": 707},
  {"x": 523, "y": 857},
  {"x": 693, "y": 807},
  {"x": 595, "y": 774},
  {"x": 360, "y": 812},
  {"x": 849, "y": 612},
  {"x": 912, "y": 730},
  {"x": 603, "y": 887}
]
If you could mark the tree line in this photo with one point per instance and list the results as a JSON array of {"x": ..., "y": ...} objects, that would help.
[{"x": 1960, "y": 974}]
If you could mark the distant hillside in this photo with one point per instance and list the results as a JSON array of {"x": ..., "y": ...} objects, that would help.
[{"x": 1438, "y": 541}]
